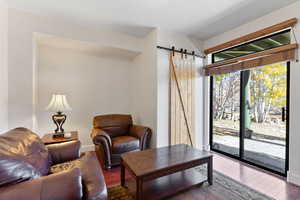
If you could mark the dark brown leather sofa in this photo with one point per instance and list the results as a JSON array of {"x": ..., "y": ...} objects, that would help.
[
  {"x": 29, "y": 170},
  {"x": 115, "y": 134}
]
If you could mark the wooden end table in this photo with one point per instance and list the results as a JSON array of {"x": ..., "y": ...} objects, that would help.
[
  {"x": 48, "y": 138},
  {"x": 162, "y": 172}
]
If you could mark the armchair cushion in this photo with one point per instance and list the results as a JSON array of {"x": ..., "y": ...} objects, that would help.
[
  {"x": 124, "y": 144},
  {"x": 61, "y": 186},
  {"x": 65, "y": 151}
]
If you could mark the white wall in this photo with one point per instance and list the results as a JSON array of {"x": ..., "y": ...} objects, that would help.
[
  {"x": 3, "y": 67},
  {"x": 270, "y": 19},
  {"x": 21, "y": 29},
  {"x": 148, "y": 81},
  {"x": 144, "y": 87},
  {"x": 23, "y": 78},
  {"x": 169, "y": 39},
  {"x": 94, "y": 85}
]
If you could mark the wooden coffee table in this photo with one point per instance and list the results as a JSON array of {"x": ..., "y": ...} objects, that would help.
[{"x": 162, "y": 172}]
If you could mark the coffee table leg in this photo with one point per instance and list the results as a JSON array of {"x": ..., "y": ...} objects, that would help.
[
  {"x": 210, "y": 171},
  {"x": 139, "y": 189},
  {"x": 122, "y": 174}
]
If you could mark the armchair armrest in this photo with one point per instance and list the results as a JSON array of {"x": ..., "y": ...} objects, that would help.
[
  {"x": 142, "y": 133},
  {"x": 103, "y": 140},
  {"x": 64, "y": 151},
  {"x": 98, "y": 135},
  {"x": 61, "y": 186}
]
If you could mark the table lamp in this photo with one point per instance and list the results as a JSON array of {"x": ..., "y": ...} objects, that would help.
[{"x": 59, "y": 104}]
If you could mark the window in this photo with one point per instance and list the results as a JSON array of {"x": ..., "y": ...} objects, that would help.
[{"x": 276, "y": 40}]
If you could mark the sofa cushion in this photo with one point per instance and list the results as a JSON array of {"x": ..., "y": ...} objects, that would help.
[
  {"x": 14, "y": 171},
  {"x": 92, "y": 175},
  {"x": 61, "y": 186},
  {"x": 124, "y": 144},
  {"x": 22, "y": 156},
  {"x": 65, "y": 166}
]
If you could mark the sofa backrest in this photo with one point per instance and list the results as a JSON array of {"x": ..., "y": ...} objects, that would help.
[
  {"x": 23, "y": 156},
  {"x": 114, "y": 125}
]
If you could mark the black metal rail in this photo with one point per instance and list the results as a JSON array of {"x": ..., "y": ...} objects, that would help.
[{"x": 181, "y": 51}]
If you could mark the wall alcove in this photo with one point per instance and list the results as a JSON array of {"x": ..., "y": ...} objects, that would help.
[{"x": 95, "y": 78}]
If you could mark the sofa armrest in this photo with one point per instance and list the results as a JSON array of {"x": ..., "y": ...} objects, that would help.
[
  {"x": 142, "y": 133},
  {"x": 61, "y": 186},
  {"x": 92, "y": 177},
  {"x": 65, "y": 151}
]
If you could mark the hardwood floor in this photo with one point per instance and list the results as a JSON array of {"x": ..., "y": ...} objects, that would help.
[{"x": 262, "y": 181}]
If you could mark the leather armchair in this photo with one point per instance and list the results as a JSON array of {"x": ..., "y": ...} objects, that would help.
[
  {"x": 26, "y": 170},
  {"x": 114, "y": 135}
]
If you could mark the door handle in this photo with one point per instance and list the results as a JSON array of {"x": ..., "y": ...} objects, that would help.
[{"x": 283, "y": 114}]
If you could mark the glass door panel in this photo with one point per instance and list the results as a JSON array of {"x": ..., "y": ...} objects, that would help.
[
  {"x": 264, "y": 111},
  {"x": 225, "y": 113}
]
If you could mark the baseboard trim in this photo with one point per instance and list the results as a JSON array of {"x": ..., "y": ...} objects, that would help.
[
  {"x": 86, "y": 148},
  {"x": 293, "y": 178}
]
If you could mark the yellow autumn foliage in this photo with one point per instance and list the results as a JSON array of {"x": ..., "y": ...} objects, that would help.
[{"x": 273, "y": 78}]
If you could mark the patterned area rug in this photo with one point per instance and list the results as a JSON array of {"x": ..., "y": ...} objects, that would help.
[
  {"x": 119, "y": 193},
  {"x": 223, "y": 188}
]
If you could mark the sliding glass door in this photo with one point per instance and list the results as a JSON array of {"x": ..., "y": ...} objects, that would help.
[
  {"x": 249, "y": 116},
  {"x": 265, "y": 128},
  {"x": 225, "y": 113}
]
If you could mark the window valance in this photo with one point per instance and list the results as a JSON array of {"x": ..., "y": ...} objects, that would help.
[{"x": 250, "y": 53}]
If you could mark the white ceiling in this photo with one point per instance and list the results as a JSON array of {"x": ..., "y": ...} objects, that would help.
[{"x": 197, "y": 18}]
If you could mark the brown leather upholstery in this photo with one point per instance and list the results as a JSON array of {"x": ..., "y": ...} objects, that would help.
[
  {"x": 63, "y": 152},
  {"x": 24, "y": 161},
  {"x": 23, "y": 156},
  {"x": 115, "y": 134},
  {"x": 62, "y": 186},
  {"x": 92, "y": 176},
  {"x": 123, "y": 144},
  {"x": 113, "y": 125}
]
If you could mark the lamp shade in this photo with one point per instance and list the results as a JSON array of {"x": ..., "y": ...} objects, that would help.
[{"x": 58, "y": 103}]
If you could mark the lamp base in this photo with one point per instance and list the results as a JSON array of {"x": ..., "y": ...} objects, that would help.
[
  {"x": 58, "y": 135},
  {"x": 59, "y": 119}
]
